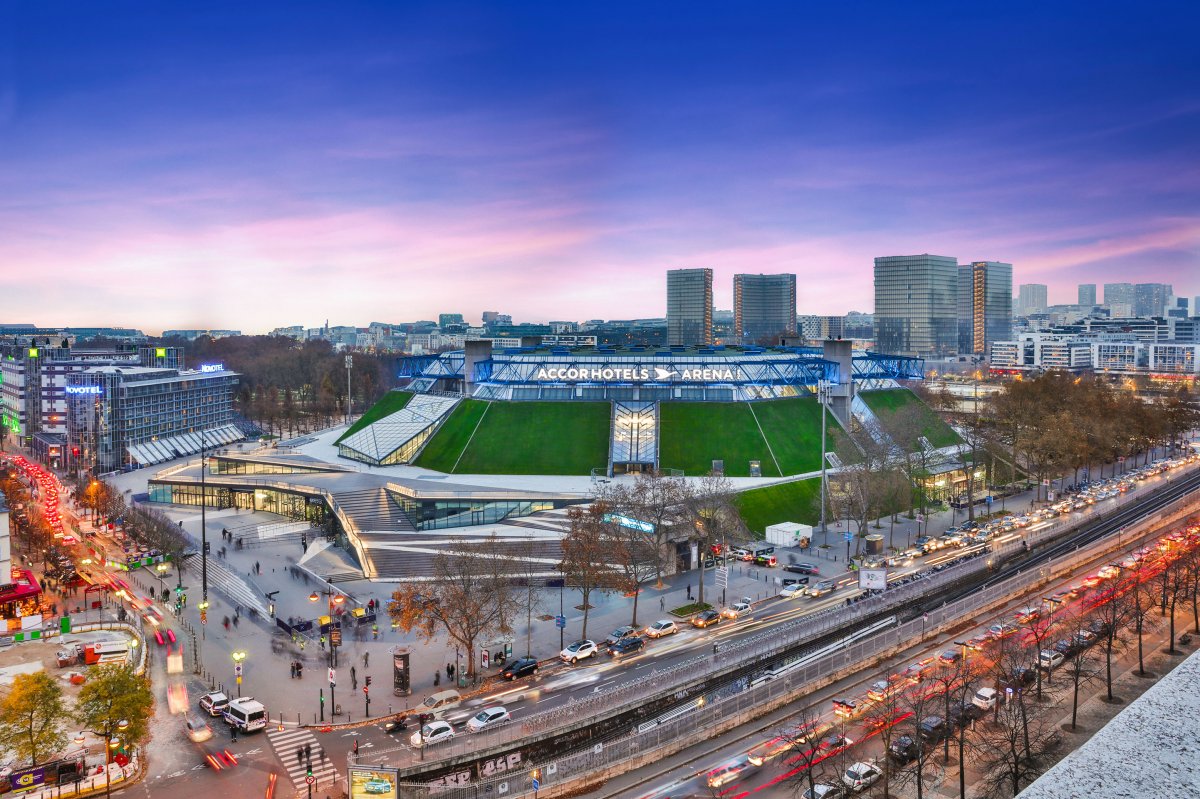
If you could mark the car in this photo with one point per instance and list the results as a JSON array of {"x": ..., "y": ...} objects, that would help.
[
  {"x": 214, "y": 703},
  {"x": 1002, "y": 630},
  {"x": 726, "y": 772},
  {"x": 706, "y": 618},
  {"x": 788, "y": 739},
  {"x": 1085, "y": 638},
  {"x": 881, "y": 689},
  {"x": 579, "y": 650},
  {"x": 985, "y": 698},
  {"x": 977, "y": 642},
  {"x": 627, "y": 646},
  {"x": 736, "y": 610},
  {"x": 521, "y": 667},
  {"x": 802, "y": 568},
  {"x": 435, "y": 732},
  {"x": 916, "y": 672},
  {"x": 821, "y": 588},
  {"x": 792, "y": 591},
  {"x": 963, "y": 713},
  {"x": 1092, "y": 580},
  {"x": 904, "y": 749},
  {"x": 488, "y": 717},
  {"x": 1050, "y": 659},
  {"x": 375, "y": 785},
  {"x": 1019, "y": 677},
  {"x": 833, "y": 742},
  {"x": 950, "y": 657},
  {"x": 661, "y": 628},
  {"x": 1068, "y": 646},
  {"x": 619, "y": 633},
  {"x": 743, "y": 554},
  {"x": 197, "y": 728},
  {"x": 933, "y": 729},
  {"x": 861, "y": 776},
  {"x": 1108, "y": 572},
  {"x": 440, "y": 703},
  {"x": 824, "y": 791},
  {"x": 768, "y": 561},
  {"x": 1027, "y": 615},
  {"x": 158, "y": 637}
]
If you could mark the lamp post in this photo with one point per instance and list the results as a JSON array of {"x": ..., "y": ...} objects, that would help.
[
  {"x": 203, "y": 519},
  {"x": 160, "y": 568},
  {"x": 349, "y": 396},
  {"x": 112, "y": 742},
  {"x": 334, "y": 600},
  {"x": 823, "y": 389},
  {"x": 238, "y": 657}
]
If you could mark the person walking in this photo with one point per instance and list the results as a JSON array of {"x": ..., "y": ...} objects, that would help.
[
  {"x": 437, "y": 679},
  {"x": 662, "y": 603},
  {"x": 689, "y": 592},
  {"x": 299, "y": 755},
  {"x": 366, "y": 656}
]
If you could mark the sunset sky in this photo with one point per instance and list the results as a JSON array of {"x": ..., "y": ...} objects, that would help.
[{"x": 251, "y": 165}]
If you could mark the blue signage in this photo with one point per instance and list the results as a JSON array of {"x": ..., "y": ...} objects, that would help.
[
  {"x": 560, "y": 622},
  {"x": 629, "y": 522}
]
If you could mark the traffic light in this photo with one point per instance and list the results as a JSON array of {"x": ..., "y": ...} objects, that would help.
[{"x": 368, "y": 680}]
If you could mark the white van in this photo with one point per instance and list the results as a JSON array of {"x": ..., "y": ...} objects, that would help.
[
  {"x": 246, "y": 714},
  {"x": 985, "y": 698}
]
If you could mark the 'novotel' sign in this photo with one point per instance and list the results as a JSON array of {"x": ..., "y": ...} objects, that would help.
[
  {"x": 85, "y": 390},
  {"x": 634, "y": 374},
  {"x": 212, "y": 367}
]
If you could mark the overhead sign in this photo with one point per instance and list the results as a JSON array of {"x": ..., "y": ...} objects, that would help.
[
  {"x": 634, "y": 374},
  {"x": 85, "y": 390},
  {"x": 872, "y": 579},
  {"x": 373, "y": 782}
]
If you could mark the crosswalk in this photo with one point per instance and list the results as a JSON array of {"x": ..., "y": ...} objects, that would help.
[{"x": 287, "y": 742}]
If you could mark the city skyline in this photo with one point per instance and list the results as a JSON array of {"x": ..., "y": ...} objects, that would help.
[{"x": 233, "y": 167}]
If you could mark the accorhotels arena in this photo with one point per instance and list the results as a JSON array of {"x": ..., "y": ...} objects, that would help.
[{"x": 637, "y": 374}]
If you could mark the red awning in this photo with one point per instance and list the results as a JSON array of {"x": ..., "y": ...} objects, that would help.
[{"x": 23, "y": 586}]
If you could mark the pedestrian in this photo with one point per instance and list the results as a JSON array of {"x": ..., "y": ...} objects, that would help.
[
  {"x": 449, "y": 671},
  {"x": 257, "y": 568},
  {"x": 437, "y": 679},
  {"x": 662, "y": 603},
  {"x": 352, "y": 674},
  {"x": 292, "y": 670},
  {"x": 366, "y": 655},
  {"x": 235, "y": 621},
  {"x": 299, "y": 755},
  {"x": 689, "y": 592},
  {"x": 308, "y": 752}
]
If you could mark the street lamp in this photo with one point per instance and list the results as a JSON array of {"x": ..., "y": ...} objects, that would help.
[
  {"x": 823, "y": 393},
  {"x": 160, "y": 568},
  {"x": 334, "y": 600},
  {"x": 238, "y": 657}
]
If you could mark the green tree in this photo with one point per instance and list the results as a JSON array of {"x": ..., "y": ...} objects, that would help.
[
  {"x": 32, "y": 717},
  {"x": 115, "y": 703}
]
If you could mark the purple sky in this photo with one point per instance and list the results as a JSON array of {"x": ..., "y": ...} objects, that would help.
[{"x": 256, "y": 165}]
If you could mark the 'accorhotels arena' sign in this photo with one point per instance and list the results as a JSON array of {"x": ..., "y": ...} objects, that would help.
[
  {"x": 634, "y": 374},
  {"x": 85, "y": 390}
]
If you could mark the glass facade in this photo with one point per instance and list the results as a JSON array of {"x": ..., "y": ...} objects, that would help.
[
  {"x": 764, "y": 306},
  {"x": 916, "y": 305},
  {"x": 984, "y": 306},
  {"x": 689, "y": 306},
  {"x": 437, "y": 514},
  {"x": 292, "y": 504},
  {"x": 1031, "y": 298}
]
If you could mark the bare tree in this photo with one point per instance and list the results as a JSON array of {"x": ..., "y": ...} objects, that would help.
[
  {"x": 714, "y": 516},
  {"x": 587, "y": 557},
  {"x": 657, "y": 498},
  {"x": 799, "y": 741},
  {"x": 471, "y": 595},
  {"x": 1081, "y": 667}
]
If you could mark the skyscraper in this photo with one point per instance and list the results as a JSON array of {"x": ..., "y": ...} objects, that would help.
[
  {"x": 763, "y": 306},
  {"x": 984, "y": 306},
  {"x": 1150, "y": 299},
  {"x": 1087, "y": 294},
  {"x": 689, "y": 306},
  {"x": 1119, "y": 294},
  {"x": 1031, "y": 298},
  {"x": 916, "y": 305}
]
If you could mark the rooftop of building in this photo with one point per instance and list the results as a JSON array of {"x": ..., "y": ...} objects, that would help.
[{"x": 640, "y": 351}]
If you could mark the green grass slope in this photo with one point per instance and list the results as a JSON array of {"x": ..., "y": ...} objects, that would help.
[
  {"x": 784, "y": 502},
  {"x": 692, "y": 434},
  {"x": 793, "y": 429},
  {"x": 887, "y": 403},
  {"x": 388, "y": 404},
  {"x": 522, "y": 438},
  {"x": 442, "y": 451}
]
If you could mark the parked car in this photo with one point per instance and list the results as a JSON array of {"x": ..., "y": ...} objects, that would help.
[
  {"x": 488, "y": 717},
  {"x": 1050, "y": 659},
  {"x": 861, "y": 776},
  {"x": 619, "y": 633},
  {"x": 661, "y": 627},
  {"x": 767, "y": 561},
  {"x": 904, "y": 749},
  {"x": 435, "y": 732},
  {"x": 214, "y": 703},
  {"x": 706, "y": 618},
  {"x": 802, "y": 568},
  {"x": 521, "y": 667},
  {"x": 933, "y": 729},
  {"x": 627, "y": 646},
  {"x": 824, "y": 791},
  {"x": 579, "y": 650},
  {"x": 736, "y": 610}
]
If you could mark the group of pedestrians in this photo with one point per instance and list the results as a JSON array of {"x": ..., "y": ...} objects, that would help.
[{"x": 297, "y": 670}]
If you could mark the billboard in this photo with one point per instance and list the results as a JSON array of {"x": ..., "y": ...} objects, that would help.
[
  {"x": 872, "y": 579},
  {"x": 373, "y": 782}
]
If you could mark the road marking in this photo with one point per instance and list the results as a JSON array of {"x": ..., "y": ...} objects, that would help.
[{"x": 286, "y": 742}]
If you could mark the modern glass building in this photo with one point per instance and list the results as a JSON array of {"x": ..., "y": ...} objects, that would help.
[
  {"x": 689, "y": 306},
  {"x": 1087, "y": 294},
  {"x": 126, "y": 416},
  {"x": 764, "y": 306},
  {"x": 984, "y": 306},
  {"x": 916, "y": 299},
  {"x": 1032, "y": 298}
]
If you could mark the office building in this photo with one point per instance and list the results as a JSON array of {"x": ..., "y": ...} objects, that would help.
[
  {"x": 1119, "y": 294},
  {"x": 192, "y": 335},
  {"x": 689, "y": 306},
  {"x": 764, "y": 307},
  {"x": 1031, "y": 299},
  {"x": 916, "y": 298},
  {"x": 121, "y": 417},
  {"x": 984, "y": 306},
  {"x": 1087, "y": 295},
  {"x": 1150, "y": 299}
]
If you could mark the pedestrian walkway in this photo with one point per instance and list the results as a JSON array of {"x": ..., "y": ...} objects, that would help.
[{"x": 290, "y": 744}]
